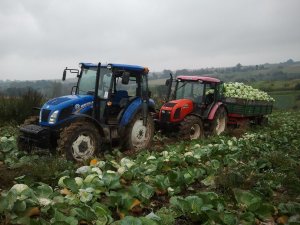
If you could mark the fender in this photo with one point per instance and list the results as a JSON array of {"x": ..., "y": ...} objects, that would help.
[
  {"x": 79, "y": 116},
  {"x": 214, "y": 109},
  {"x": 130, "y": 111}
]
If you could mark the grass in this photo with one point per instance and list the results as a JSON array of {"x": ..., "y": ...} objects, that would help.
[
  {"x": 292, "y": 69},
  {"x": 280, "y": 85},
  {"x": 157, "y": 82},
  {"x": 286, "y": 99}
]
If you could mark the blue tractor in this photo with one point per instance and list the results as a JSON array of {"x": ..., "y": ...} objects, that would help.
[{"x": 110, "y": 102}]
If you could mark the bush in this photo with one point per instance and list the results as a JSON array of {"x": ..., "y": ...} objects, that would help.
[
  {"x": 297, "y": 86},
  {"x": 18, "y": 108}
]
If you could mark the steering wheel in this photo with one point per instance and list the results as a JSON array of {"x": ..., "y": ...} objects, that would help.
[
  {"x": 209, "y": 98},
  {"x": 90, "y": 92}
]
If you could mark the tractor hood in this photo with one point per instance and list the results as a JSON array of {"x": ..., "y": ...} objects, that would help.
[
  {"x": 56, "y": 110},
  {"x": 176, "y": 110},
  {"x": 185, "y": 103}
]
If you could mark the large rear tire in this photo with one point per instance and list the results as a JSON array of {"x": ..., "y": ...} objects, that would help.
[
  {"x": 219, "y": 124},
  {"x": 191, "y": 128},
  {"x": 136, "y": 135},
  {"x": 79, "y": 141}
]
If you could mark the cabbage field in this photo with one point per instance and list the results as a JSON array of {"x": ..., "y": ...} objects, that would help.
[{"x": 238, "y": 178}]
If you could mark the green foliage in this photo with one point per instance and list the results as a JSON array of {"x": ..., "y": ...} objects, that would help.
[{"x": 220, "y": 180}]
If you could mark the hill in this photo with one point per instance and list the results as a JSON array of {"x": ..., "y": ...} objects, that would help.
[{"x": 279, "y": 79}]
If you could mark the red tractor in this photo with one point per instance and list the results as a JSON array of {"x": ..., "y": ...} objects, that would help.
[{"x": 196, "y": 108}]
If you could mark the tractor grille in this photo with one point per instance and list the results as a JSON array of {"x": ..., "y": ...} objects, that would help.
[
  {"x": 165, "y": 116},
  {"x": 45, "y": 115},
  {"x": 177, "y": 113}
]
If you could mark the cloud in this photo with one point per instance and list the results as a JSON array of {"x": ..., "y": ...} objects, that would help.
[{"x": 39, "y": 38}]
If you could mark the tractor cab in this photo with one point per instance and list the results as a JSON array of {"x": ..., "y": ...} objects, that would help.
[
  {"x": 192, "y": 94},
  {"x": 202, "y": 91},
  {"x": 113, "y": 87}
]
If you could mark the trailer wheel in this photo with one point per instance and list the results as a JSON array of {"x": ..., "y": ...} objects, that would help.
[
  {"x": 136, "y": 135},
  {"x": 219, "y": 124},
  {"x": 23, "y": 146},
  {"x": 191, "y": 128},
  {"x": 79, "y": 141},
  {"x": 262, "y": 121}
]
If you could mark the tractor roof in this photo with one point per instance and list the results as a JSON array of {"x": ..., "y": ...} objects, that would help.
[
  {"x": 197, "y": 78},
  {"x": 130, "y": 68}
]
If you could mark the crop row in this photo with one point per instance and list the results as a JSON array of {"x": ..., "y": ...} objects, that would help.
[{"x": 221, "y": 180}]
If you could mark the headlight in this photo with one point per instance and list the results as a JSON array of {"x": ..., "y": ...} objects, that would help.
[
  {"x": 40, "y": 117},
  {"x": 53, "y": 117}
]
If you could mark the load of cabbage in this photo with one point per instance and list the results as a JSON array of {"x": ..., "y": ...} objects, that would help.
[{"x": 242, "y": 91}]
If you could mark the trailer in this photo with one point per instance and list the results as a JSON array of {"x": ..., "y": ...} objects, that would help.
[{"x": 241, "y": 111}]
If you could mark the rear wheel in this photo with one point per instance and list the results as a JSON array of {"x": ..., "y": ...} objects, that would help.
[
  {"x": 262, "y": 121},
  {"x": 136, "y": 135},
  {"x": 79, "y": 141},
  {"x": 191, "y": 128},
  {"x": 219, "y": 124}
]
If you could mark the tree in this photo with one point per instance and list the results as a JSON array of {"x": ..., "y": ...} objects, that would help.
[
  {"x": 238, "y": 67},
  {"x": 290, "y": 61},
  {"x": 297, "y": 86},
  {"x": 56, "y": 89}
]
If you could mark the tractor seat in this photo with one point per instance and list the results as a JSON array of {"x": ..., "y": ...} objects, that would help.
[{"x": 120, "y": 96}]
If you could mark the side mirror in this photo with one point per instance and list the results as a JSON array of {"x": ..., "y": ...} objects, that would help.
[
  {"x": 64, "y": 74},
  {"x": 168, "y": 82},
  {"x": 125, "y": 78}
]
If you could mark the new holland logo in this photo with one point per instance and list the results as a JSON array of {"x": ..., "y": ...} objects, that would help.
[{"x": 79, "y": 107}]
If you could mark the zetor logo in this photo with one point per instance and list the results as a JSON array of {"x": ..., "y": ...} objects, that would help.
[
  {"x": 79, "y": 107},
  {"x": 185, "y": 106}
]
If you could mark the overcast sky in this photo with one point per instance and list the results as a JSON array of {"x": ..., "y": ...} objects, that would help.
[{"x": 38, "y": 38}]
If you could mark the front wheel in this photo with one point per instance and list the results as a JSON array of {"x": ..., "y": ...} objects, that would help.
[
  {"x": 79, "y": 141},
  {"x": 191, "y": 128},
  {"x": 138, "y": 136},
  {"x": 219, "y": 124}
]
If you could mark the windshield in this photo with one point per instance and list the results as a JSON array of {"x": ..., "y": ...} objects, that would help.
[
  {"x": 190, "y": 90},
  {"x": 130, "y": 87},
  {"x": 88, "y": 79}
]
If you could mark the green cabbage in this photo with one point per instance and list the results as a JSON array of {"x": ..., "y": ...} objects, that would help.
[{"x": 242, "y": 91}]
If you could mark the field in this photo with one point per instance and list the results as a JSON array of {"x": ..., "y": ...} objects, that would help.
[
  {"x": 280, "y": 85},
  {"x": 286, "y": 99},
  {"x": 157, "y": 82},
  {"x": 239, "y": 178}
]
